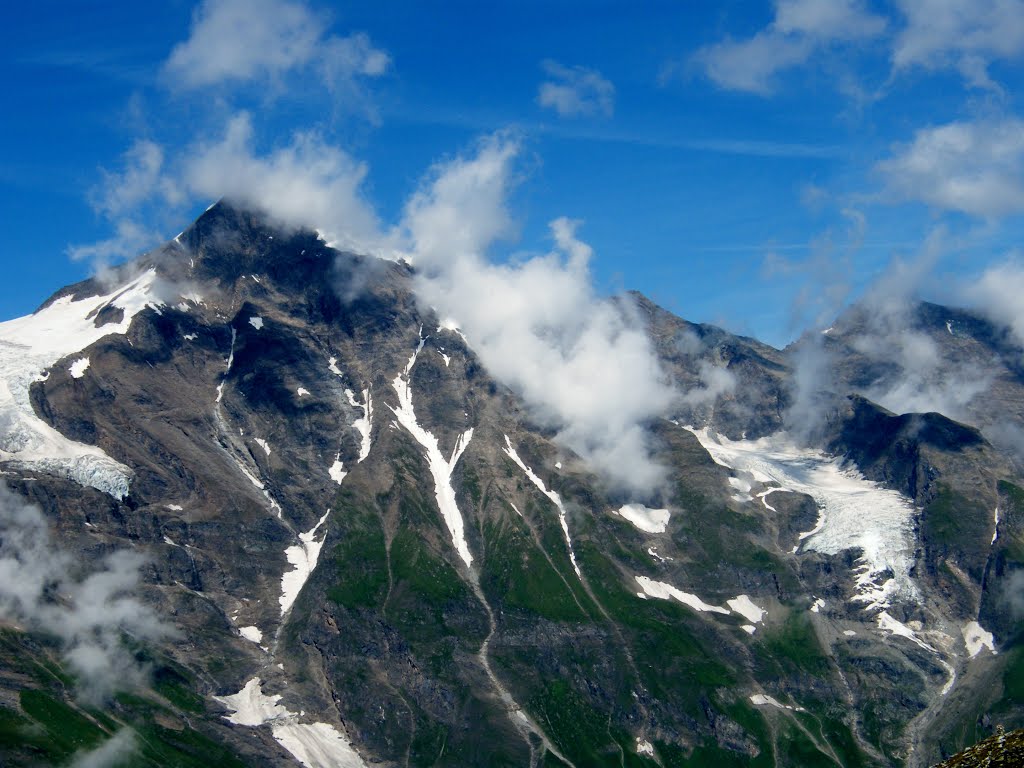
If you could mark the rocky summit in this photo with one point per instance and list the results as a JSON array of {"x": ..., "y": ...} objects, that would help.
[{"x": 267, "y": 508}]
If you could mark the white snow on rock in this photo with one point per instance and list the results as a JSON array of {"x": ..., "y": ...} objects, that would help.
[
  {"x": 646, "y": 519},
  {"x": 855, "y": 513},
  {"x": 303, "y": 557},
  {"x": 446, "y": 358},
  {"x": 554, "y": 497},
  {"x": 337, "y": 471},
  {"x": 302, "y": 391},
  {"x": 256, "y": 322},
  {"x": 263, "y": 444},
  {"x": 315, "y": 745},
  {"x": 29, "y": 346},
  {"x": 749, "y": 629},
  {"x": 995, "y": 525},
  {"x": 849, "y": 633},
  {"x": 817, "y": 605},
  {"x": 746, "y": 608},
  {"x": 79, "y": 367},
  {"x": 440, "y": 468},
  {"x": 363, "y": 425},
  {"x": 251, "y": 707},
  {"x": 887, "y": 623},
  {"x": 763, "y": 699},
  {"x": 976, "y": 638},
  {"x": 663, "y": 591},
  {"x": 252, "y": 634},
  {"x": 644, "y": 747},
  {"x": 227, "y": 368}
]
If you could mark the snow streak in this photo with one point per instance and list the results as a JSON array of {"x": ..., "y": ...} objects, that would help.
[
  {"x": 440, "y": 468},
  {"x": 552, "y": 495}
]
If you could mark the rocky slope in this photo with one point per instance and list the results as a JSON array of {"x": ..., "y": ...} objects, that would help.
[{"x": 364, "y": 551}]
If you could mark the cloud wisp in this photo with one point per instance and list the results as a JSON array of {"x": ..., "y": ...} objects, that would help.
[
  {"x": 582, "y": 364},
  {"x": 800, "y": 29},
  {"x": 237, "y": 42},
  {"x": 576, "y": 91},
  {"x": 976, "y": 168},
  {"x": 39, "y": 590},
  {"x": 965, "y": 35}
]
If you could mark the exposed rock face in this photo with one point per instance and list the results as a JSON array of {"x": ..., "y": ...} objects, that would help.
[
  {"x": 373, "y": 555},
  {"x": 1002, "y": 749}
]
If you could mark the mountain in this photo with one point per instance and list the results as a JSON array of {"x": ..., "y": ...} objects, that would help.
[{"x": 265, "y": 508}]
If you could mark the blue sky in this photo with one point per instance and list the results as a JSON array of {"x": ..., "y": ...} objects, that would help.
[{"x": 750, "y": 164}]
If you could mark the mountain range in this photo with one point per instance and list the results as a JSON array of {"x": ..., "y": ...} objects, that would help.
[{"x": 266, "y": 506}]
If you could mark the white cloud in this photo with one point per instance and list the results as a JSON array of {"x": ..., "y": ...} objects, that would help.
[
  {"x": 89, "y": 615},
  {"x": 113, "y": 752},
  {"x": 576, "y": 91},
  {"x": 800, "y": 29},
  {"x": 141, "y": 178},
  {"x": 239, "y": 41},
  {"x": 582, "y": 364},
  {"x": 999, "y": 294},
  {"x": 963, "y": 34},
  {"x": 971, "y": 167},
  {"x": 306, "y": 183}
]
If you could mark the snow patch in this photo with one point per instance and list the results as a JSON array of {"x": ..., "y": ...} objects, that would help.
[
  {"x": 646, "y": 519},
  {"x": 749, "y": 629},
  {"x": 644, "y": 747},
  {"x": 79, "y": 367},
  {"x": 315, "y": 745},
  {"x": 976, "y": 638},
  {"x": 32, "y": 344},
  {"x": 190, "y": 336},
  {"x": 663, "y": 591},
  {"x": 303, "y": 557},
  {"x": 256, "y": 322},
  {"x": 849, "y": 633},
  {"x": 995, "y": 525},
  {"x": 763, "y": 699},
  {"x": 554, "y": 497},
  {"x": 446, "y": 358},
  {"x": 949, "y": 327},
  {"x": 302, "y": 391},
  {"x": 746, "y": 608},
  {"x": 440, "y": 468},
  {"x": 855, "y": 513},
  {"x": 252, "y": 634},
  {"x": 887, "y": 623},
  {"x": 817, "y": 605},
  {"x": 364, "y": 424},
  {"x": 263, "y": 444},
  {"x": 337, "y": 471}
]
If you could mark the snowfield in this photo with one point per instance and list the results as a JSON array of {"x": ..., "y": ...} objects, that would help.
[
  {"x": 29, "y": 347},
  {"x": 854, "y": 513},
  {"x": 315, "y": 745}
]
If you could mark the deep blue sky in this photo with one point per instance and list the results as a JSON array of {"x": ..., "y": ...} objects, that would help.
[{"x": 749, "y": 164}]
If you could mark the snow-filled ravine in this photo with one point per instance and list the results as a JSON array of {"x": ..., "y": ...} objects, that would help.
[
  {"x": 552, "y": 495},
  {"x": 854, "y": 513},
  {"x": 29, "y": 346},
  {"x": 303, "y": 557},
  {"x": 315, "y": 745},
  {"x": 440, "y": 468}
]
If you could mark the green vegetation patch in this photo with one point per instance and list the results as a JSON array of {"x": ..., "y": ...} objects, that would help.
[{"x": 516, "y": 575}]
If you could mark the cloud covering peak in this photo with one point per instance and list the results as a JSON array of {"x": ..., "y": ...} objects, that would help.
[{"x": 583, "y": 364}]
